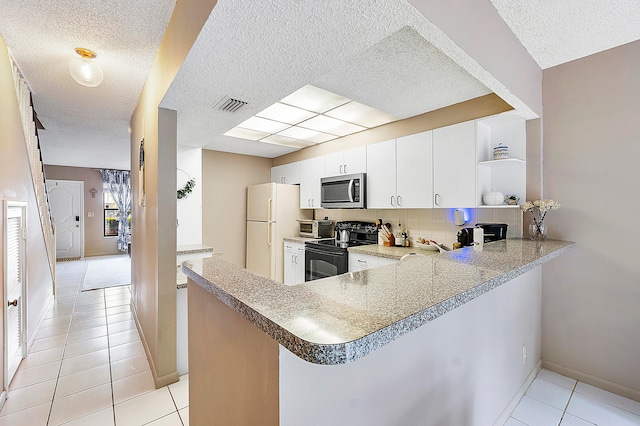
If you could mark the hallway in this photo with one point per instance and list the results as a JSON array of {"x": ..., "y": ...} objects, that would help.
[{"x": 87, "y": 365}]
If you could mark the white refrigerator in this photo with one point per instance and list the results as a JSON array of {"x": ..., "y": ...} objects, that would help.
[{"x": 273, "y": 210}]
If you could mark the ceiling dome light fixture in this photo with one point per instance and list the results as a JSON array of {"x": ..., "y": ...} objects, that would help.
[{"x": 84, "y": 70}]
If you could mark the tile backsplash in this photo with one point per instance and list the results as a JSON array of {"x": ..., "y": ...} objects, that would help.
[{"x": 431, "y": 224}]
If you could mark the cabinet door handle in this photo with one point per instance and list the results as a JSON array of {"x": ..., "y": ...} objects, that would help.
[
  {"x": 345, "y": 169},
  {"x": 436, "y": 197},
  {"x": 308, "y": 202},
  {"x": 362, "y": 261},
  {"x": 284, "y": 179},
  {"x": 340, "y": 168},
  {"x": 399, "y": 199},
  {"x": 392, "y": 202},
  {"x": 14, "y": 303},
  {"x": 296, "y": 262}
]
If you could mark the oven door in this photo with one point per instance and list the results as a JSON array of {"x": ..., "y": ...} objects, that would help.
[{"x": 320, "y": 263}]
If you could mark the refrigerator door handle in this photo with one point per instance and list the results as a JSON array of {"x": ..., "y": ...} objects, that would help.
[
  {"x": 269, "y": 233},
  {"x": 269, "y": 211}
]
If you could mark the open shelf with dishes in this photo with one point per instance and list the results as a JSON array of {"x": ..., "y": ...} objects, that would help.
[{"x": 505, "y": 175}]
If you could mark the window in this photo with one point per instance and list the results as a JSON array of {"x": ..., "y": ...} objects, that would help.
[{"x": 111, "y": 212}]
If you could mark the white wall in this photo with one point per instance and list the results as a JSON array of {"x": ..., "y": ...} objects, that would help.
[
  {"x": 190, "y": 208},
  {"x": 464, "y": 368}
]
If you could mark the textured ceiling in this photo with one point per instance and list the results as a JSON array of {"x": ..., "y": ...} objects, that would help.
[
  {"x": 381, "y": 53},
  {"x": 555, "y": 32},
  {"x": 370, "y": 51},
  {"x": 85, "y": 126}
]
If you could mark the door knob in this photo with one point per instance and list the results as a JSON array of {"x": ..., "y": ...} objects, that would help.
[{"x": 14, "y": 303}]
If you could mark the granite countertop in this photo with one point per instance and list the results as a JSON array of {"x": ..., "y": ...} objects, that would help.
[
  {"x": 343, "y": 318},
  {"x": 193, "y": 248},
  {"x": 393, "y": 252}
]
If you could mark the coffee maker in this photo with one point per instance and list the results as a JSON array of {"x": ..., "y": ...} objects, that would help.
[{"x": 492, "y": 232}]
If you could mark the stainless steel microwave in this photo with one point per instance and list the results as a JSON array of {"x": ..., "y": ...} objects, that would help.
[{"x": 343, "y": 192}]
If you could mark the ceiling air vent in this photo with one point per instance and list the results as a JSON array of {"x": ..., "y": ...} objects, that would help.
[{"x": 228, "y": 104}]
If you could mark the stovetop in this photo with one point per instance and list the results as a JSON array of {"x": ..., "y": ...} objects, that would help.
[{"x": 352, "y": 243}]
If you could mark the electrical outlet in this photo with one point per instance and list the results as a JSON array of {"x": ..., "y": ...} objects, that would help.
[
  {"x": 524, "y": 354},
  {"x": 89, "y": 214}
]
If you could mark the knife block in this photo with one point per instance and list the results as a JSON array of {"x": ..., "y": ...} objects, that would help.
[{"x": 391, "y": 242}]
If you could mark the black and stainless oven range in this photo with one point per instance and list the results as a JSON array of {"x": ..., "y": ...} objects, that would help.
[{"x": 327, "y": 258}]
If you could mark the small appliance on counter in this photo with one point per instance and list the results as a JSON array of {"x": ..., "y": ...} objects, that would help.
[
  {"x": 311, "y": 228},
  {"x": 326, "y": 258},
  {"x": 492, "y": 232}
]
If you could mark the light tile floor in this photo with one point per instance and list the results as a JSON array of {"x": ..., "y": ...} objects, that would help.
[
  {"x": 88, "y": 367},
  {"x": 554, "y": 400}
]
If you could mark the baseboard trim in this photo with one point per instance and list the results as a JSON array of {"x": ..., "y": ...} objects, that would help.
[
  {"x": 506, "y": 413},
  {"x": 31, "y": 339},
  {"x": 160, "y": 381},
  {"x": 592, "y": 380}
]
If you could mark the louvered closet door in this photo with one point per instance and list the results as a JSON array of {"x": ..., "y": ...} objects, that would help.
[{"x": 15, "y": 276}]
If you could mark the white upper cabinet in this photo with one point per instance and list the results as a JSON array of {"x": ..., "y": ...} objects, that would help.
[
  {"x": 346, "y": 162},
  {"x": 454, "y": 166},
  {"x": 381, "y": 175},
  {"x": 414, "y": 171},
  {"x": 311, "y": 171},
  {"x": 287, "y": 173},
  {"x": 399, "y": 173}
]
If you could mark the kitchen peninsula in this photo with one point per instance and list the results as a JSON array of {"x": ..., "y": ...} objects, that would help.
[{"x": 445, "y": 339}]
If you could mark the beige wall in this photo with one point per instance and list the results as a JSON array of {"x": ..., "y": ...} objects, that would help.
[
  {"x": 225, "y": 178},
  {"x": 16, "y": 185},
  {"x": 591, "y": 299},
  {"x": 95, "y": 243},
  {"x": 153, "y": 245}
]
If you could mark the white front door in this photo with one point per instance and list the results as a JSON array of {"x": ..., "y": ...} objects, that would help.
[
  {"x": 66, "y": 202},
  {"x": 15, "y": 252}
]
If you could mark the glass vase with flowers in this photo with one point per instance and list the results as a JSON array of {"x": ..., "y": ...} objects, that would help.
[{"x": 539, "y": 210}]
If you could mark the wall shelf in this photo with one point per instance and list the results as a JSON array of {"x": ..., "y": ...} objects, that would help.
[
  {"x": 501, "y": 163},
  {"x": 501, "y": 206}
]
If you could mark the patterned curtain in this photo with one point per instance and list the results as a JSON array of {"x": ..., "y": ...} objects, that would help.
[{"x": 120, "y": 185}]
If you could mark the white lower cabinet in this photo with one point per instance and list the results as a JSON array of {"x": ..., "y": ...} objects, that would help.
[
  {"x": 293, "y": 263},
  {"x": 360, "y": 262}
]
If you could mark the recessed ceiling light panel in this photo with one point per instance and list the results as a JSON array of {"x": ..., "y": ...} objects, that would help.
[
  {"x": 281, "y": 140},
  {"x": 306, "y": 134},
  {"x": 285, "y": 113},
  {"x": 330, "y": 125},
  {"x": 355, "y": 112},
  {"x": 252, "y": 135},
  {"x": 263, "y": 125},
  {"x": 314, "y": 99}
]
